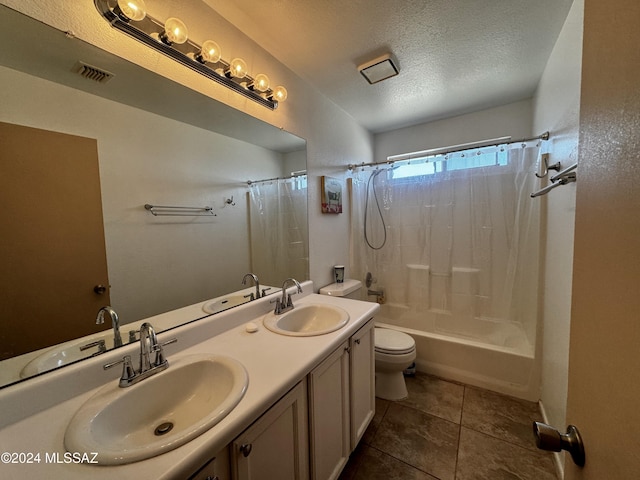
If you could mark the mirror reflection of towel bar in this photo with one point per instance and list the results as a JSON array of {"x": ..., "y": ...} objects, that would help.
[{"x": 171, "y": 211}]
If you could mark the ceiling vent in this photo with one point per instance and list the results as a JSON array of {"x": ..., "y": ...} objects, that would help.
[
  {"x": 380, "y": 68},
  {"x": 92, "y": 73}
]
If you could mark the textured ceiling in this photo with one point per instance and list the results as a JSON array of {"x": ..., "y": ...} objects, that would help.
[{"x": 455, "y": 56}]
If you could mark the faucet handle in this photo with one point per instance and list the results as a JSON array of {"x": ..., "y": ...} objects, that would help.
[
  {"x": 128, "y": 372},
  {"x": 102, "y": 347},
  {"x": 160, "y": 353},
  {"x": 132, "y": 336}
]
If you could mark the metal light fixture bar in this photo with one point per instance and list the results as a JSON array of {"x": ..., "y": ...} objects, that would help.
[{"x": 149, "y": 30}]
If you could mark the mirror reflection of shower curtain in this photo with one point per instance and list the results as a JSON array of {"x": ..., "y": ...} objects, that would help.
[
  {"x": 278, "y": 230},
  {"x": 463, "y": 242}
]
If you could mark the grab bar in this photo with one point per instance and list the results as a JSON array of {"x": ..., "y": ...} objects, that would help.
[{"x": 171, "y": 211}]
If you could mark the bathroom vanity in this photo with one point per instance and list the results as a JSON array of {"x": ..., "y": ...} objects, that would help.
[{"x": 306, "y": 405}]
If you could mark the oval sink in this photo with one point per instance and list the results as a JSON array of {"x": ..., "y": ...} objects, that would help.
[
  {"x": 64, "y": 354},
  {"x": 162, "y": 412},
  {"x": 307, "y": 320},
  {"x": 221, "y": 304}
]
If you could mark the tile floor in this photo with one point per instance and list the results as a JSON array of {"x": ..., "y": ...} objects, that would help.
[{"x": 450, "y": 431}]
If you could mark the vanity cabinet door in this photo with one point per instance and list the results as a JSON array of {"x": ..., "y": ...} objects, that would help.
[
  {"x": 217, "y": 468},
  {"x": 362, "y": 374},
  {"x": 329, "y": 414},
  {"x": 276, "y": 446}
]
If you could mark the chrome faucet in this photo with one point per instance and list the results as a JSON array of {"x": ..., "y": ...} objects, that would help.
[
  {"x": 115, "y": 323},
  {"x": 285, "y": 304},
  {"x": 148, "y": 346},
  {"x": 256, "y": 282}
]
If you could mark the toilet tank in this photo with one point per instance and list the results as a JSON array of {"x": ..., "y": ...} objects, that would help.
[{"x": 348, "y": 289}]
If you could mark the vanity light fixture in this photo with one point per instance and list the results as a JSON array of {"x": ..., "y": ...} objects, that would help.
[
  {"x": 210, "y": 52},
  {"x": 260, "y": 83},
  {"x": 175, "y": 31},
  {"x": 279, "y": 94},
  {"x": 237, "y": 68},
  {"x": 171, "y": 38},
  {"x": 134, "y": 10}
]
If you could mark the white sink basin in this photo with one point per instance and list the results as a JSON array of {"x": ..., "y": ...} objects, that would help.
[
  {"x": 307, "y": 320},
  {"x": 162, "y": 412},
  {"x": 220, "y": 304},
  {"x": 64, "y": 354}
]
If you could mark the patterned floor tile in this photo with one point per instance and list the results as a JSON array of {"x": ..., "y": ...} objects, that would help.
[
  {"x": 424, "y": 441},
  {"x": 435, "y": 396},
  {"x": 372, "y": 464},
  {"x": 502, "y": 417},
  {"x": 481, "y": 457}
]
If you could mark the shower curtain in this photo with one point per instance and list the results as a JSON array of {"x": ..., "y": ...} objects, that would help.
[
  {"x": 455, "y": 235},
  {"x": 278, "y": 230}
]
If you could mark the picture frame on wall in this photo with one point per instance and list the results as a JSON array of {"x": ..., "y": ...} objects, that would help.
[{"x": 331, "y": 197}]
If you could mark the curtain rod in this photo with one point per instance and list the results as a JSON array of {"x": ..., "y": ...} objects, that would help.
[
  {"x": 299, "y": 173},
  {"x": 493, "y": 142}
]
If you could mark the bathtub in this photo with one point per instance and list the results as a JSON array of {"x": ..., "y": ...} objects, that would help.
[{"x": 484, "y": 353}]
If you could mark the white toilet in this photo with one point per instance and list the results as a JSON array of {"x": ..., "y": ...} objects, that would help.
[{"x": 394, "y": 352}]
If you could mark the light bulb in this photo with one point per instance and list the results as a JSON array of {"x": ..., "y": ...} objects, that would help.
[
  {"x": 175, "y": 31},
  {"x": 237, "y": 68},
  {"x": 279, "y": 94},
  {"x": 210, "y": 52},
  {"x": 134, "y": 10},
  {"x": 260, "y": 83}
]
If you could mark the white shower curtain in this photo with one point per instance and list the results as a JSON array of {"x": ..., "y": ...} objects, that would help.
[
  {"x": 462, "y": 235},
  {"x": 279, "y": 231}
]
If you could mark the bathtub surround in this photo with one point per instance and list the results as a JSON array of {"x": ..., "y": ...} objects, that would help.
[{"x": 461, "y": 256}]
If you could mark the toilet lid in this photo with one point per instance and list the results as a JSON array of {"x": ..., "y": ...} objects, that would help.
[{"x": 393, "y": 342}]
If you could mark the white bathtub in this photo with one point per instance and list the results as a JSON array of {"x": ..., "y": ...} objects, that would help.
[{"x": 488, "y": 354}]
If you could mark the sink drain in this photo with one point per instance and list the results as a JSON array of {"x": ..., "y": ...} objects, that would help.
[{"x": 163, "y": 428}]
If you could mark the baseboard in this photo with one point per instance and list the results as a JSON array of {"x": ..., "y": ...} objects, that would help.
[{"x": 558, "y": 457}]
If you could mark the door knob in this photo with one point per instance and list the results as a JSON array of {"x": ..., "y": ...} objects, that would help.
[
  {"x": 100, "y": 289},
  {"x": 549, "y": 438},
  {"x": 245, "y": 449}
]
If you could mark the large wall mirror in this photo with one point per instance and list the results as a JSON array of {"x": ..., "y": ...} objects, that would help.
[{"x": 147, "y": 140}]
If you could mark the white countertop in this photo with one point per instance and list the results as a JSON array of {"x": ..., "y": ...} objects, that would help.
[{"x": 35, "y": 413}]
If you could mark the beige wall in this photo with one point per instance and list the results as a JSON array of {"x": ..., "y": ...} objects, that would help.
[
  {"x": 557, "y": 108},
  {"x": 513, "y": 119}
]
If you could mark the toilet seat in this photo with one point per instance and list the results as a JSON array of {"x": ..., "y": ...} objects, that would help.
[{"x": 392, "y": 342}]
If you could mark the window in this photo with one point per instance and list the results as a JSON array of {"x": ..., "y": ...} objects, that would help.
[{"x": 458, "y": 161}]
